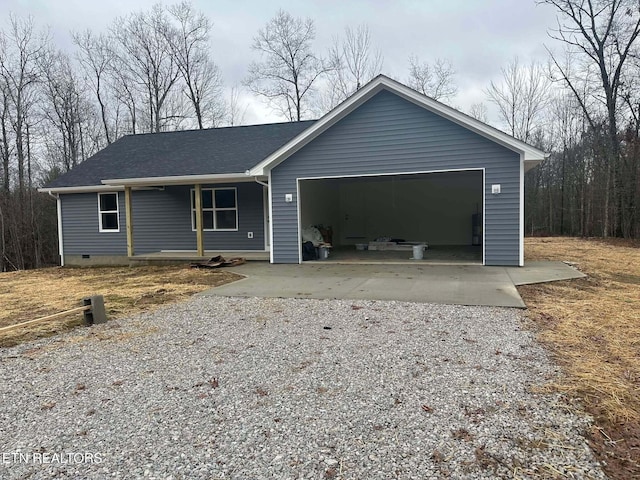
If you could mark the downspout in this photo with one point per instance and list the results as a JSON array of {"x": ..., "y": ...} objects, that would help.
[
  {"x": 261, "y": 182},
  {"x": 59, "y": 211}
]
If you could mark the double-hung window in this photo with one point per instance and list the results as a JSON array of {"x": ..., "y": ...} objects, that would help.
[
  {"x": 219, "y": 209},
  {"x": 108, "y": 216}
]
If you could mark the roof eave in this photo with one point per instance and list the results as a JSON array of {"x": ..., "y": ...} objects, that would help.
[
  {"x": 81, "y": 189},
  {"x": 532, "y": 158},
  {"x": 529, "y": 164},
  {"x": 180, "y": 180},
  {"x": 114, "y": 184}
]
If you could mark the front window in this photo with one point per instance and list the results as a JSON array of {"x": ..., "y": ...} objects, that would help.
[
  {"x": 108, "y": 216},
  {"x": 219, "y": 209}
]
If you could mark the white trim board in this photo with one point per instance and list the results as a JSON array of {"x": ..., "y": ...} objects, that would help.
[
  {"x": 299, "y": 220},
  {"x": 182, "y": 179},
  {"x": 521, "y": 215},
  {"x": 394, "y": 174},
  {"x": 270, "y": 220},
  {"x": 267, "y": 218},
  {"x": 83, "y": 189},
  {"x": 60, "y": 237},
  {"x": 484, "y": 216}
]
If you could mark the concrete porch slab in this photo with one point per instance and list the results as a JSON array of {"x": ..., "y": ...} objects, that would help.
[{"x": 541, "y": 272}]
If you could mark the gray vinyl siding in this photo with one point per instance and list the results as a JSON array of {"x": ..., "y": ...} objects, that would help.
[
  {"x": 161, "y": 221},
  {"x": 388, "y": 134},
  {"x": 80, "y": 227}
]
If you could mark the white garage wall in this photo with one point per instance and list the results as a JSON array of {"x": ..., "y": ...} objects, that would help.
[
  {"x": 320, "y": 205},
  {"x": 435, "y": 208}
]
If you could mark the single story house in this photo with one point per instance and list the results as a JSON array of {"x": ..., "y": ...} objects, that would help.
[{"x": 387, "y": 162}]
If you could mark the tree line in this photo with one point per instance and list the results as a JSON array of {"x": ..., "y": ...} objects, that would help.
[
  {"x": 154, "y": 71},
  {"x": 583, "y": 107}
]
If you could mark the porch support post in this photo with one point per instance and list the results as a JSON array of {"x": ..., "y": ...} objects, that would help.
[
  {"x": 129, "y": 219},
  {"x": 199, "y": 235}
]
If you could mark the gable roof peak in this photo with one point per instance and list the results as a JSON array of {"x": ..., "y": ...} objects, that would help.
[{"x": 529, "y": 154}]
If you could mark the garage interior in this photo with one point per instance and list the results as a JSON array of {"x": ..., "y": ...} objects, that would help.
[{"x": 380, "y": 218}]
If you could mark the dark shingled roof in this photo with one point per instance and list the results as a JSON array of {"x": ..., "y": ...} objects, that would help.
[{"x": 189, "y": 152}]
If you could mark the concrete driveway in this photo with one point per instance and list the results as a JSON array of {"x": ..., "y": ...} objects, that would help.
[{"x": 445, "y": 284}]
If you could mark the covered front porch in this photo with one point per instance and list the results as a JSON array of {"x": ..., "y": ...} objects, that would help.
[{"x": 227, "y": 216}]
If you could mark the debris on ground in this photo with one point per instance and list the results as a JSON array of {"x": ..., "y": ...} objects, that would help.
[{"x": 218, "y": 262}]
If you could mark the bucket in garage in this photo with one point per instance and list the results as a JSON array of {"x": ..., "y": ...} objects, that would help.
[
  {"x": 323, "y": 253},
  {"x": 418, "y": 252}
]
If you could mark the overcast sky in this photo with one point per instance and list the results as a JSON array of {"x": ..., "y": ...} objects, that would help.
[{"x": 477, "y": 36}]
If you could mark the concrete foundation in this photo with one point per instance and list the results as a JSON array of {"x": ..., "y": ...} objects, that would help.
[
  {"x": 95, "y": 260},
  {"x": 158, "y": 258}
]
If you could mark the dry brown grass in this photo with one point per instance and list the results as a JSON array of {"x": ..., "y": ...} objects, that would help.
[
  {"x": 592, "y": 325},
  {"x": 26, "y": 295}
]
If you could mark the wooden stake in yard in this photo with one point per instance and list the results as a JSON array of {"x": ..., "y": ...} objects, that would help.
[{"x": 93, "y": 308}]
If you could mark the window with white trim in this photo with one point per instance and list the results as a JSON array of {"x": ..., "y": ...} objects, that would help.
[
  {"x": 108, "y": 215},
  {"x": 219, "y": 209}
]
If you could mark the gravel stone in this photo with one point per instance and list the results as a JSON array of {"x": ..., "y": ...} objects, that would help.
[{"x": 225, "y": 388}]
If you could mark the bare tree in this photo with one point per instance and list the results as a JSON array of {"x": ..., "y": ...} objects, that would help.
[
  {"x": 288, "y": 69},
  {"x": 23, "y": 47},
  {"x": 144, "y": 53},
  {"x": 190, "y": 49},
  {"x": 568, "y": 127},
  {"x": 479, "y": 112},
  {"x": 236, "y": 111},
  {"x": 521, "y": 97},
  {"x": 153, "y": 71},
  {"x": 603, "y": 34},
  {"x": 96, "y": 58},
  {"x": 630, "y": 155},
  {"x": 436, "y": 80},
  {"x": 64, "y": 108},
  {"x": 6, "y": 149},
  {"x": 353, "y": 63},
  {"x": 19, "y": 70},
  {"x": 127, "y": 94}
]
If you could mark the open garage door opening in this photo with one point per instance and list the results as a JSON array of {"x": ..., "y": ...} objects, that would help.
[{"x": 381, "y": 218}]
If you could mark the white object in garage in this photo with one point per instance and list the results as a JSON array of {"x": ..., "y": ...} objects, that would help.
[{"x": 418, "y": 252}]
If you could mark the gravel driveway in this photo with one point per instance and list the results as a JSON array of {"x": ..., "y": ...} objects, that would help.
[{"x": 222, "y": 388}]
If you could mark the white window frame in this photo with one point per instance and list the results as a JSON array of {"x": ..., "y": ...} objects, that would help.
[
  {"x": 213, "y": 209},
  {"x": 116, "y": 211}
]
